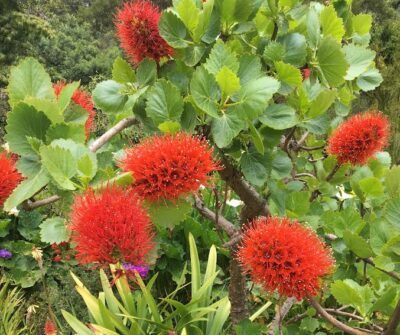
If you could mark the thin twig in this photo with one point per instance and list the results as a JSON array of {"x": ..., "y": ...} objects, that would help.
[
  {"x": 333, "y": 172},
  {"x": 319, "y": 147},
  {"x": 351, "y": 315},
  {"x": 221, "y": 222},
  {"x": 30, "y": 205},
  {"x": 110, "y": 133},
  {"x": 303, "y": 139},
  {"x": 340, "y": 325},
  {"x": 280, "y": 315}
]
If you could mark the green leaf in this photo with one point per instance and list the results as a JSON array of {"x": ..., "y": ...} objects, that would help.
[
  {"x": 310, "y": 325},
  {"x": 371, "y": 187},
  {"x": 122, "y": 72},
  {"x": 322, "y": 103},
  {"x": 279, "y": 116},
  {"x": 85, "y": 159},
  {"x": 205, "y": 91},
  {"x": 297, "y": 204},
  {"x": 362, "y": 23},
  {"x": 168, "y": 214},
  {"x": 288, "y": 74},
  {"x": 189, "y": 14},
  {"x": 359, "y": 59},
  {"x": 221, "y": 56},
  {"x": 246, "y": 327},
  {"x": 274, "y": 52},
  {"x": 173, "y": 30},
  {"x": 332, "y": 61},
  {"x": 76, "y": 114},
  {"x": 357, "y": 244},
  {"x": 225, "y": 128},
  {"x": 65, "y": 96},
  {"x": 332, "y": 25},
  {"x": 27, "y": 189},
  {"x": 203, "y": 25},
  {"x": 164, "y": 102},
  {"x": 249, "y": 68},
  {"x": 60, "y": 164},
  {"x": 22, "y": 122},
  {"x": 313, "y": 27},
  {"x": 255, "y": 168},
  {"x": 392, "y": 181},
  {"x": 29, "y": 79},
  {"x": 108, "y": 98},
  {"x": 281, "y": 165},
  {"x": 227, "y": 81},
  {"x": 257, "y": 139},
  {"x": 253, "y": 97},
  {"x": 295, "y": 49},
  {"x": 146, "y": 73},
  {"x": 4, "y": 227},
  {"x": 54, "y": 230},
  {"x": 345, "y": 293},
  {"x": 28, "y": 225},
  {"x": 49, "y": 108},
  {"x": 75, "y": 132},
  {"x": 369, "y": 80},
  {"x": 170, "y": 127},
  {"x": 392, "y": 212}
]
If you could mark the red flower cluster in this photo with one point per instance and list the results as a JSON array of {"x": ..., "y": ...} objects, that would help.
[
  {"x": 9, "y": 177},
  {"x": 62, "y": 252},
  {"x": 82, "y": 99},
  {"x": 50, "y": 328},
  {"x": 169, "y": 166},
  {"x": 285, "y": 256},
  {"x": 137, "y": 30},
  {"x": 359, "y": 138},
  {"x": 110, "y": 227},
  {"x": 306, "y": 73}
]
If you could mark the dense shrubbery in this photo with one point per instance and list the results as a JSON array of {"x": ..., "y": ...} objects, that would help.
[{"x": 229, "y": 129}]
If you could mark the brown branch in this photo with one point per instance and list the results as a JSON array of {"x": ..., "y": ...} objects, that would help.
[
  {"x": 255, "y": 204},
  {"x": 93, "y": 147},
  {"x": 393, "y": 322},
  {"x": 340, "y": 325},
  {"x": 219, "y": 220},
  {"x": 110, "y": 133},
  {"x": 319, "y": 147},
  {"x": 280, "y": 315},
  {"x": 31, "y": 205},
  {"x": 392, "y": 274},
  {"x": 333, "y": 172},
  {"x": 351, "y": 315}
]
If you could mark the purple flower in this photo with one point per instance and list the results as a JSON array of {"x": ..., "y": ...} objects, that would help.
[
  {"x": 142, "y": 270},
  {"x": 4, "y": 253}
]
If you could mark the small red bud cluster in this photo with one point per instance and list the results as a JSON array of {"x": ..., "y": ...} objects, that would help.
[{"x": 62, "y": 252}]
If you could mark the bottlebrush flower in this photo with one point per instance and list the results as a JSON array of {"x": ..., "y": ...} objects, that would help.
[
  {"x": 169, "y": 166},
  {"x": 50, "y": 328},
  {"x": 360, "y": 137},
  {"x": 4, "y": 253},
  {"x": 283, "y": 255},
  {"x": 9, "y": 177},
  {"x": 137, "y": 31},
  {"x": 82, "y": 99},
  {"x": 110, "y": 227}
]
